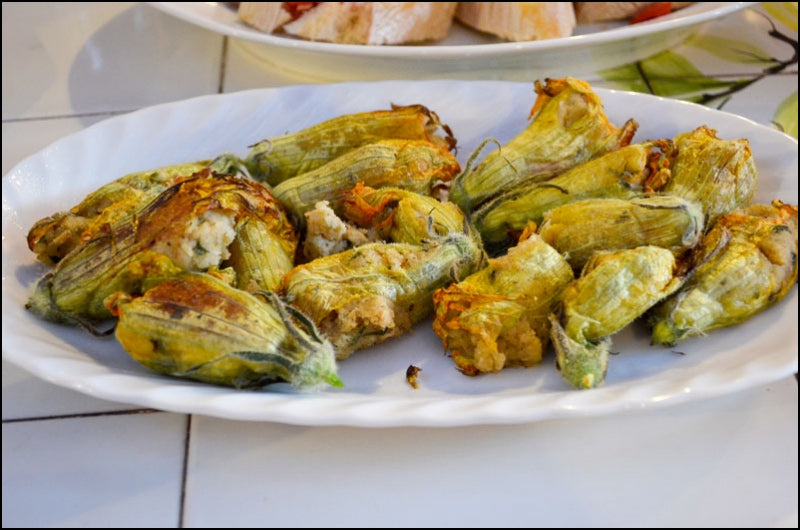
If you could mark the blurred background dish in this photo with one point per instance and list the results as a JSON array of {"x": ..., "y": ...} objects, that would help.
[{"x": 464, "y": 54}]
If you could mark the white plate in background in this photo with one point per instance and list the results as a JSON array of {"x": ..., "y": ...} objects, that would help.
[
  {"x": 376, "y": 393},
  {"x": 465, "y": 53}
]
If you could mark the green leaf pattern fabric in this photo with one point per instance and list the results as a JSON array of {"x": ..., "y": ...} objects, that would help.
[
  {"x": 671, "y": 74},
  {"x": 786, "y": 115}
]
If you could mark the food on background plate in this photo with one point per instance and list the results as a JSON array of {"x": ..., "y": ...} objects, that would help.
[
  {"x": 269, "y": 16},
  {"x": 519, "y": 21},
  {"x": 197, "y": 326},
  {"x": 396, "y": 23},
  {"x": 393, "y": 23},
  {"x": 593, "y": 12},
  {"x": 353, "y": 22},
  {"x": 746, "y": 263},
  {"x": 498, "y": 316}
]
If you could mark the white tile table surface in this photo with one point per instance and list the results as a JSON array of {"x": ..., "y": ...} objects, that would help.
[{"x": 70, "y": 459}]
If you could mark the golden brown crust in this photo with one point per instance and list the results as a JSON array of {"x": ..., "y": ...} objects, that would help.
[
  {"x": 519, "y": 21},
  {"x": 264, "y": 16},
  {"x": 355, "y": 22}
]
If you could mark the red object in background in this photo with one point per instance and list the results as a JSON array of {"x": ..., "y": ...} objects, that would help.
[
  {"x": 298, "y": 8},
  {"x": 656, "y": 10}
]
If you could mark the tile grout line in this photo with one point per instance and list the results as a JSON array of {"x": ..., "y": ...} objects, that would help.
[
  {"x": 222, "y": 66},
  {"x": 68, "y": 116},
  {"x": 184, "y": 471},
  {"x": 83, "y": 415}
]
